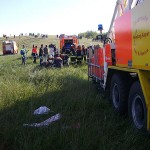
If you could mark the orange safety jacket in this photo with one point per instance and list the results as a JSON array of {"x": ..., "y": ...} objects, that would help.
[{"x": 34, "y": 50}]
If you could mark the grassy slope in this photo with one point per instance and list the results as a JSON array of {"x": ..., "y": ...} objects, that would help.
[
  {"x": 29, "y": 41},
  {"x": 66, "y": 91}
]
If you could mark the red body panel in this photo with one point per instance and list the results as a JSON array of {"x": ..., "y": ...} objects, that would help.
[
  {"x": 108, "y": 56},
  {"x": 93, "y": 67},
  {"x": 63, "y": 38},
  {"x": 123, "y": 39},
  {"x": 98, "y": 61}
]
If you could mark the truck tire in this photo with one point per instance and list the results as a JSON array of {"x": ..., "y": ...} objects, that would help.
[
  {"x": 118, "y": 94},
  {"x": 137, "y": 107}
]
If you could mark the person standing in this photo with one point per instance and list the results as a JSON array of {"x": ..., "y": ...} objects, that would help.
[
  {"x": 45, "y": 54},
  {"x": 34, "y": 53},
  {"x": 23, "y": 53},
  {"x": 73, "y": 49},
  {"x": 41, "y": 54},
  {"x": 51, "y": 50},
  {"x": 79, "y": 54},
  {"x": 84, "y": 51}
]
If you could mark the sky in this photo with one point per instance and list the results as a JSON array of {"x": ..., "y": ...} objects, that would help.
[{"x": 54, "y": 16}]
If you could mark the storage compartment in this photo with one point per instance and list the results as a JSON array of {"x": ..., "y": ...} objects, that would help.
[{"x": 123, "y": 39}]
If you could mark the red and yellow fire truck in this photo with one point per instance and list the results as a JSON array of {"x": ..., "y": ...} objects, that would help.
[
  {"x": 122, "y": 64},
  {"x": 67, "y": 40}
]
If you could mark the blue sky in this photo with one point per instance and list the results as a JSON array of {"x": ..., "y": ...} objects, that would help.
[{"x": 54, "y": 16}]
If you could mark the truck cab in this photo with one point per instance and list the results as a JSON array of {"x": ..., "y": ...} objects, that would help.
[{"x": 67, "y": 41}]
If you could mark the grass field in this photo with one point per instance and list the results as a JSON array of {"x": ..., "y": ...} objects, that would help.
[{"x": 87, "y": 120}]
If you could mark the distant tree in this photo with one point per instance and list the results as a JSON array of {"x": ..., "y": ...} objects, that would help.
[{"x": 88, "y": 34}]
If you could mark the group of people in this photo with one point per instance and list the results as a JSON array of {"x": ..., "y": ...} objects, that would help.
[
  {"x": 44, "y": 53},
  {"x": 79, "y": 52},
  {"x": 48, "y": 55}
]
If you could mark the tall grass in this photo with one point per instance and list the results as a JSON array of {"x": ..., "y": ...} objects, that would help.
[{"x": 88, "y": 122}]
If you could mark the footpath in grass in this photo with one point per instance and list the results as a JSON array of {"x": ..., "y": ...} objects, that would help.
[{"x": 87, "y": 120}]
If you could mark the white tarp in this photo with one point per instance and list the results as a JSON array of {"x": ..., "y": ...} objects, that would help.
[
  {"x": 41, "y": 110},
  {"x": 46, "y": 122}
]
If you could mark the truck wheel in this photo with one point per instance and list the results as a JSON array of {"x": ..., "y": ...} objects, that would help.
[
  {"x": 137, "y": 107},
  {"x": 118, "y": 94}
]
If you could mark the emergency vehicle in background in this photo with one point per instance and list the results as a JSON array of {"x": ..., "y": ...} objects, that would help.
[
  {"x": 67, "y": 40},
  {"x": 9, "y": 47},
  {"x": 121, "y": 65}
]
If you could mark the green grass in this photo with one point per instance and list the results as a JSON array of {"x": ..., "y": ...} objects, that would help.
[{"x": 66, "y": 91}]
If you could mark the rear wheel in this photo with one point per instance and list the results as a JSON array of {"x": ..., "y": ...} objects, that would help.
[
  {"x": 137, "y": 107},
  {"x": 118, "y": 94}
]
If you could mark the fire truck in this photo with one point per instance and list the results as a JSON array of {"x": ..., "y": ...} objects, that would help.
[
  {"x": 9, "y": 47},
  {"x": 67, "y": 40},
  {"x": 121, "y": 64}
]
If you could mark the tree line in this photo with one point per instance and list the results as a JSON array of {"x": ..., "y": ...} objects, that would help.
[{"x": 89, "y": 34}]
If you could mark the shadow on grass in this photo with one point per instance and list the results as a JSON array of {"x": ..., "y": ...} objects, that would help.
[{"x": 79, "y": 104}]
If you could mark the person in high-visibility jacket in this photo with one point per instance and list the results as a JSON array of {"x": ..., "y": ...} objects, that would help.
[{"x": 34, "y": 53}]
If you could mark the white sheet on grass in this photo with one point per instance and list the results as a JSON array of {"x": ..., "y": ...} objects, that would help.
[
  {"x": 46, "y": 122},
  {"x": 41, "y": 110}
]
